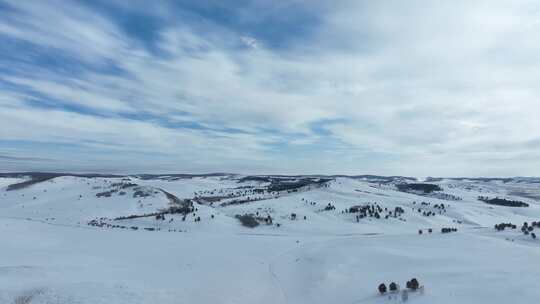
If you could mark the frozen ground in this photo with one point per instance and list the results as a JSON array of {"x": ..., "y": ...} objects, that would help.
[{"x": 50, "y": 254}]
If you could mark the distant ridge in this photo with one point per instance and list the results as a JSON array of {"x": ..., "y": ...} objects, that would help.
[{"x": 48, "y": 175}]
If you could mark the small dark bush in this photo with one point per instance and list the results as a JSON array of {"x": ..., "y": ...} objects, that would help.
[
  {"x": 393, "y": 286},
  {"x": 382, "y": 288},
  {"x": 413, "y": 284}
]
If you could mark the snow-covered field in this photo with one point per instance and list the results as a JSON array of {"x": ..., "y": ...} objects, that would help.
[{"x": 50, "y": 254}]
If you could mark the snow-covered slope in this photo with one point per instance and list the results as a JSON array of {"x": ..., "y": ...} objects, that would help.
[{"x": 74, "y": 239}]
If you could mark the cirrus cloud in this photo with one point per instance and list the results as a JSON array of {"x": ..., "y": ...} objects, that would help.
[{"x": 381, "y": 87}]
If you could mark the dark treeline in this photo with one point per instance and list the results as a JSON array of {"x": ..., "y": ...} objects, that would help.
[
  {"x": 502, "y": 202},
  {"x": 426, "y": 188},
  {"x": 278, "y": 185}
]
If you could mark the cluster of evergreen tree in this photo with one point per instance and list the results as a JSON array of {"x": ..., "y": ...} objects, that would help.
[
  {"x": 413, "y": 285},
  {"x": 502, "y": 226},
  {"x": 502, "y": 202},
  {"x": 448, "y": 230}
]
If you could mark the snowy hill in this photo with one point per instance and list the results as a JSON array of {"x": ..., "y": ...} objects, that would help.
[{"x": 317, "y": 239}]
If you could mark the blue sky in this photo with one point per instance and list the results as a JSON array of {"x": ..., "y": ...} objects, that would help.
[{"x": 334, "y": 87}]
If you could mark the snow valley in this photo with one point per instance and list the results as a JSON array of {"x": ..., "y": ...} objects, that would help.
[{"x": 225, "y": 238}]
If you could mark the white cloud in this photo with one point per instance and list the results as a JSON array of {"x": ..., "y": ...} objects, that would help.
[
  {"x": 416, "y": 82},
  {"x": 250, "y": 42}
]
